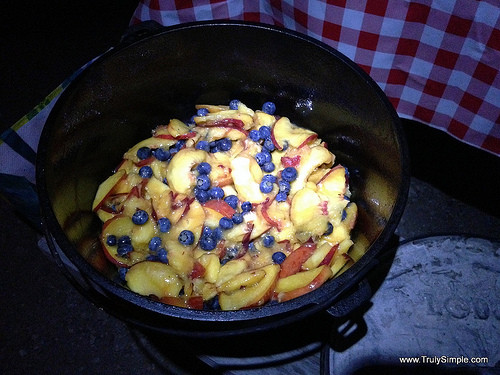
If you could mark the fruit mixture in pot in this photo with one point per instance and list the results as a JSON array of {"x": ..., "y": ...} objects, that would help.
[{"x": 230, "y": 210}]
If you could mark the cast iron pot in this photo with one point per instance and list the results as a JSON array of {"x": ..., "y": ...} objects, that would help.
[{"x": 123, "y": 95}]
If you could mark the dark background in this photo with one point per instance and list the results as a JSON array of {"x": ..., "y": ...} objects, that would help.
[{"x": 46, "y": 326}]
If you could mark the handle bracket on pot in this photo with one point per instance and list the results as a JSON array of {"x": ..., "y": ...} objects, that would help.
[
  {"x": 353, "y": 301},
  {"x": 349, "y": 326}
]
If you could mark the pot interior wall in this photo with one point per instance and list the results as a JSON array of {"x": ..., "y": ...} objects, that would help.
[{"x": 119, "y": 99}]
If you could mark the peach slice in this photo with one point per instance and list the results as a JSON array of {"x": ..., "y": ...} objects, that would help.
[
  {"x": 177, "y": 127},
  {"x": 154, "y": 278},
  {"x": 297, "y": 280},
  {"x": 339, "y": 259},
  {"x": 214, "y": 131},
  {"x": 245, "y": 183},
  {"x": 307, "y": 213},
  {"x": 217, "y": 117},
  {"x": 180, "y": 176},
  {"x": 259, "y": 224},
  {"x": 231, "y": 269},
  {"x": 293, "y": 263},
  {"x": 242, "y": 280},
  {"x": 323, "y": 251},
  {"x": 333, "y": 183},
  {"x": 212, "y": 217},
  {"x": 180, "y": 257},
  {"x": 316, "y": 278},
  {"x": 263, "y": 119},
  {"x": 252, "y": 295},
  {"x": 106, "y": 188},
  {"x": 156, "y": 188},
  {"x": 242, "y": 108},
  {"x": 351, "y": 213},
  {"x": 211, "y": 263},
  {"x": 121, "y": 225},
  {"x": 311, "y": 158},
  {"x": 284, "y": 132},
  {"x": 212, "y": 108}
]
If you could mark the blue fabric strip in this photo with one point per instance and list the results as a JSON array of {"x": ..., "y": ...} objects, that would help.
[{"x": 11, "y": 138}]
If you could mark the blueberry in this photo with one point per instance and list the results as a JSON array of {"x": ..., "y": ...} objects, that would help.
[
  {"x": 140, "y": 217},
  {"x": 201, "y": 195},
  {"x": 124, "y": 240},
  {"x": 254, "y": 135},
  {"x": 177, "y": 146},
  {"x": 143, "y": 153},
  {"x": 284, "y": 186},
  {"x": 207, "y": 243},
  {"x": 162, "y": 255},
  {"x": 237, "y": 218},
  {"x": 203, "y": 145},
  {"x": 269, "y": 108},
  {"x": 265, "y": 132},
  {"x": 226, "y": 223},
  {"x": 266, "y": 186},
  {"x": 278, "y": 257},
  {"x": 281, "y": 197},
  {"x": 216, "y": 193},
  {"x": 344, "y": 215},
  {"x": 124, "y": 249},
  {"x": 263, "y": 158},
  {"x": 202, "y": 112},
  {"x": 161, "y": 154},
  {"x": 329, "y": 229},
  {"x": 231, "y": 200},
  {"x": 231, "y": 252},
  {"x": 268, "y": 167},
  {"x": 225, "y": 144},
  {"x": 268, "y": 240},
  {"x": 203, "y": 182},
  {"x": 217, "y": 234},
  {"x": 186, "y": 237},
  {"x": 214, "y": 149},
  {"x": 122, "y": 271},
  {"x": 111, "y": 240},
  {"x": 289, "y": 174},
  {"x": 146, "y": 172},
  {"x": 251, "y": 247},
  {"x": 204, "y": 168},
  {"x": 269, "y": 177},
  {"x": 207, "y": 231},
  {"x": 154, "y": 243},
  {"x": 212, "y": 304},
  {"x": 164, "y": 224},
  {"x": 269, "y": 145},
  {"x": 233, "y": 104},
  {"x": 246, "y": 206}
]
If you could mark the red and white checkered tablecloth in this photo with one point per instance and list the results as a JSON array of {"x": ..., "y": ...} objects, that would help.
[{"x": 437, "y": 61}]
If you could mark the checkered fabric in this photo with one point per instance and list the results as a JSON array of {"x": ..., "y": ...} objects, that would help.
[{"x": 436, "y": 60}]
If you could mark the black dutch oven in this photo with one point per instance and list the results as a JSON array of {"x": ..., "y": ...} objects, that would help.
[{"x": 124, "y": 94}]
